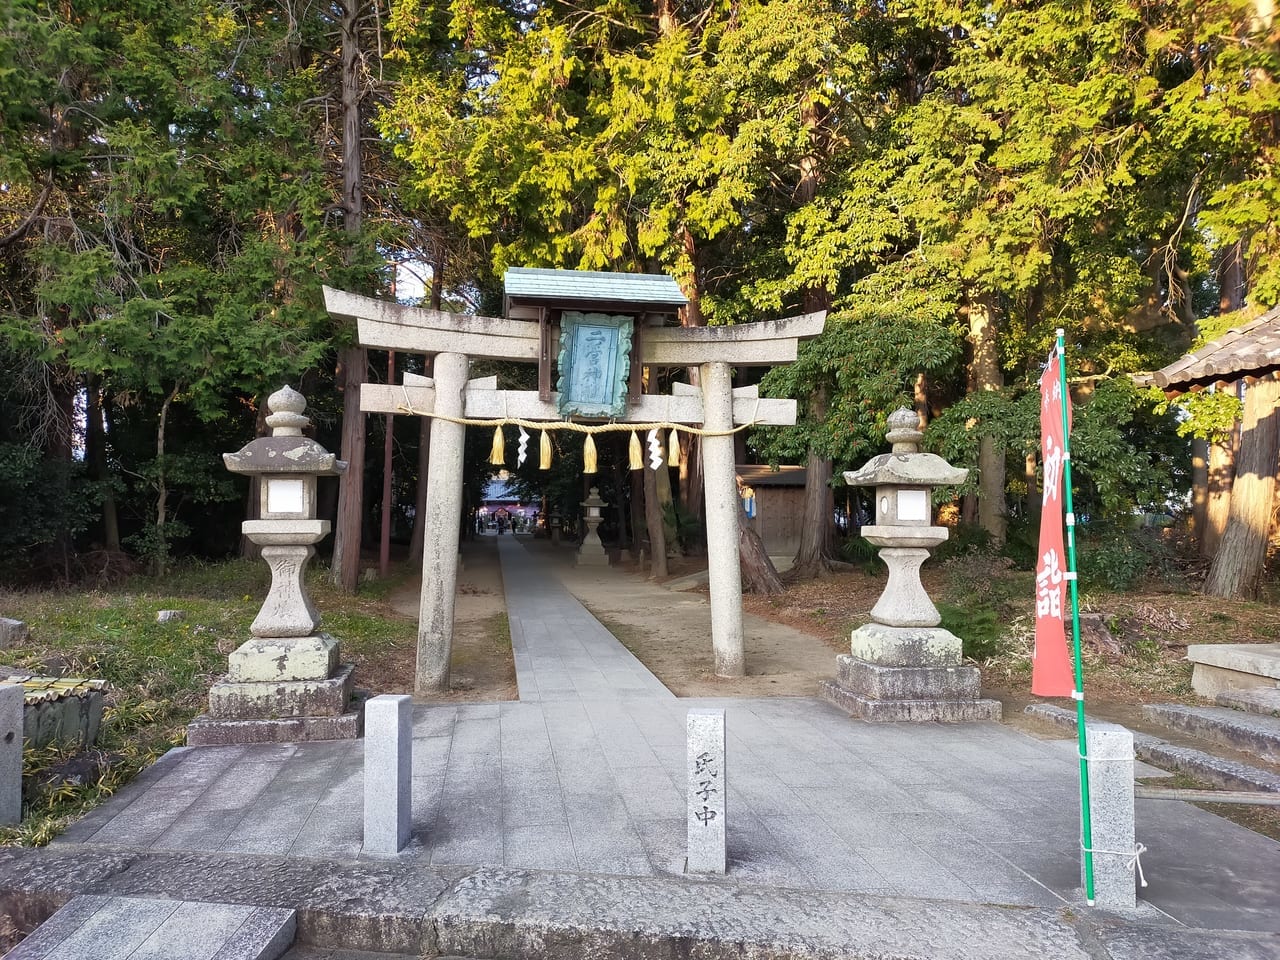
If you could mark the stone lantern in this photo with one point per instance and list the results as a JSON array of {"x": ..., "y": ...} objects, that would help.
[
  {"x": 285, "y": 683},
  {"x": 592, "y": 552},
  {"x": 902, "y": 665}
]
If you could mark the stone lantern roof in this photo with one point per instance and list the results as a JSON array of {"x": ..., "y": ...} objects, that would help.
[
  {"x": 905, "y": 466},
  {"x": 286, "y": 450}
]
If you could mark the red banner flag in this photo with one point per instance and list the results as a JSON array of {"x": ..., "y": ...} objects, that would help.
[{"x": 1050, "y": 665}]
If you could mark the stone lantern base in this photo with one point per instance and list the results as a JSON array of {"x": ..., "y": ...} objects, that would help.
[
  {"x": 280, "y": 690},
  {"x": 907, "y": 673}
]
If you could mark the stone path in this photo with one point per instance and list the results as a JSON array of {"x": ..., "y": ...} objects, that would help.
[
  {"x": 561, "y": 651},
  {"x": 584, "y": 775},
  {"x": 140, "y": 928}
]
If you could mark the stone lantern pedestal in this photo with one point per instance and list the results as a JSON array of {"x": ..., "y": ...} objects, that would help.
[
  {"x": 592, "y": 552},
  {"x": 903, "y": 665},
  {"x": 286, "y": 683}
]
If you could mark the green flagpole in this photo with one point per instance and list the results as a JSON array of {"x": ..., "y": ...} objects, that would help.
[{"x": 1086, "y": 822}]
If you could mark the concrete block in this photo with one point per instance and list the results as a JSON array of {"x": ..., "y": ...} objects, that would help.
[
  {"x": 1111, "y": 808},
  {"x": 207, "y": 731},
  {"x": 12, "y": 632},
  {"x": 170, "y": 616},
  {"x": 914, "y": 711},
  {"x": 229, "y": 700},
  {"x": 388, "y": 771},
  {"x": 707, "y": 792},
  {"x": 11, "y": 695},
  {"x": 1220, "y": 667},
  {"x": 276, "y": 659},
  {"x": 908, "y": 683},
  {"x": 905, "y": 646}
]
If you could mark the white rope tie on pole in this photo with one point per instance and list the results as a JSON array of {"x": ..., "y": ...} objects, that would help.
[{"x": 1133, "y": 858}]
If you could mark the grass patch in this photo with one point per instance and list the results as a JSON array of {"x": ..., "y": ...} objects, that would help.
[
  {"x": 499, "y": 630},
  {"x": 159, "y": 674}
]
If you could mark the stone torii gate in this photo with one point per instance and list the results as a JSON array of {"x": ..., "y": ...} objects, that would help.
[{"x": 449, "y": 397}]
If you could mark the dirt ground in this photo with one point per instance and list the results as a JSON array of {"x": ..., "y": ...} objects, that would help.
[
  {"x": 481, "y": 667},
  {"x": 669, "y": 631}
]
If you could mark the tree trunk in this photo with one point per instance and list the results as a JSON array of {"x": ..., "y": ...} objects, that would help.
[
  {"x": 636, "y": 518},
  {"x": 620, "y": 481},
  {"x": 920, "y": 399},
  {"x": 95, "y": 454},
  {"x": 160, "y": 554},
  {"x": 654, "y": 520},
  {"x": 420, "y": 493},
  {"x": 758, "y": 572},
  {"x": 817, "y": 527},
  {"x": 691, "y": 484},
  {"x": 1211, "y": 487},
  {"x": 1238, "y": 565},
  {"x": 985, "y": 374},
  {"x": 424, "y": 433},
  {"x": 1199, "y": 489},
  {"x": 353, "y": 360},
  {"x": 1034, "y": 500},
  {"x": 349, "y": 527},
  {"x": 1222, "y": 468}
]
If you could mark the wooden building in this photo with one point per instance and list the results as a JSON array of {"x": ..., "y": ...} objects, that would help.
[{"x": 779, "y": 506}]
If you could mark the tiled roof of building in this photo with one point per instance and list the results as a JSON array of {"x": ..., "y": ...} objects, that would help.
[
  {"x": 530, "y": 285},
  {"x": 1252, "y": 350},
  {"x": 762, "y": 475}
]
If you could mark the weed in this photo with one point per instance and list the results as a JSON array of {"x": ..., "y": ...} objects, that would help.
[
  {"x": 159, "y": 673},
  {"x": 978, "y": 627},
  {"x": 500, "y": 630}
]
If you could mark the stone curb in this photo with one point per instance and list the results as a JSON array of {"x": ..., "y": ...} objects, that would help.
[
  {"x": 1227, "y": 774},
  {"x": 1256, "y": 735},
  {"x": 519, "y": 915}
]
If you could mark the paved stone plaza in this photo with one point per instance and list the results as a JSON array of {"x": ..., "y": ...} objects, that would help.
[{"x": 585, "y": 776}]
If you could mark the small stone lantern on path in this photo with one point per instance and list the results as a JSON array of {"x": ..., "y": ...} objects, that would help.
[
  {"x": 592, "y": 552},
  {"x": 285, "y": 684},
  {"x": 902, "y": 665}
]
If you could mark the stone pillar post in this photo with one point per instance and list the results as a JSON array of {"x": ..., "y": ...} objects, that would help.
[
  {"x": 388, "y": 772},
  {"x": 1111, "y": 795},
  {"x": 11, "y": 706},
  {"x": 719, "y": 477},
  {"x": 444, "y": 512}
]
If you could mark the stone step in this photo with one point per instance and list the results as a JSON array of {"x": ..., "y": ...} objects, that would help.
[
  {"x": 908, "y": 683},
  {"x": 1249, "y": 733},
  {"x": 1219, "y": 771},
  {"x": 129, "y": 928},
  {"x": 1264, "y": 701},
  {"x": 943, "y": 710},
  {"x": 1218, "y": 667}
]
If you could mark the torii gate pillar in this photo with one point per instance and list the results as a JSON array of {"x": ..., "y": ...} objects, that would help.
[
  {"x": 724, "y": 575},
  {"x": 440, "y": 543}
]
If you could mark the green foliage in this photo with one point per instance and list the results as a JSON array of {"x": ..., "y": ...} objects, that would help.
[
  {"x": 687, "y": 526},
  {"x": 1207, "y": 414},
  {"x": 977, "y": 625},
  {"x": 1118, "y": 559},
  {"x": 1125, "y": 447},
  {"x": 42, "y": 503}
]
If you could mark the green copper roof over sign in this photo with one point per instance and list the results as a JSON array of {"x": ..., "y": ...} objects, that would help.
[{"x": 550, "y": 287}]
